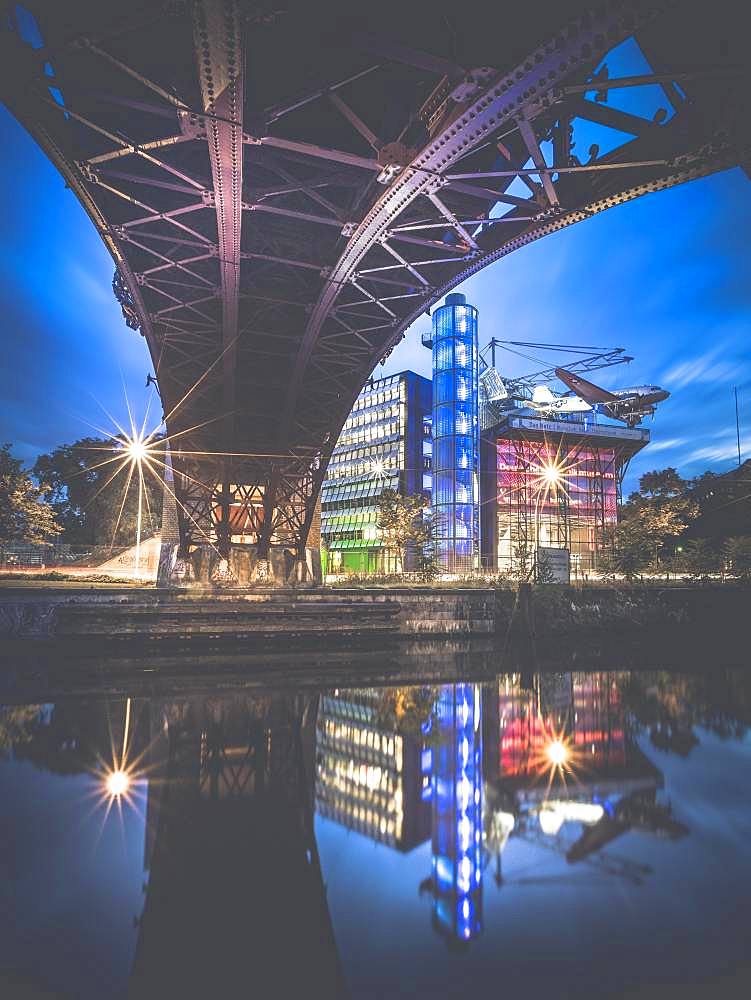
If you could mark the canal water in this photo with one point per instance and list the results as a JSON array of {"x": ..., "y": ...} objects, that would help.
[{"x": 558, "y": 834}]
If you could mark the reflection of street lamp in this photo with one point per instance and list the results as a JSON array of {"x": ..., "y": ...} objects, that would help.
[
  {"x": 116, "y": 780},
  {"x": 557, "y": 753},
  {"x": 118, "y": 783}
]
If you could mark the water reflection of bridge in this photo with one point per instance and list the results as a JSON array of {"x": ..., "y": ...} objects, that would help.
[
  {"x": 236, "y": 900},
  {"x": 236, "y": 897}
]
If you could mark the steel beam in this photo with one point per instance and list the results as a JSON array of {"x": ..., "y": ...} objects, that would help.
[{"x": 220, "y": 54}]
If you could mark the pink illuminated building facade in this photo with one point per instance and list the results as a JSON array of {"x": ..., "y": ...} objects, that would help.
[{"x": 551, "y": 484}]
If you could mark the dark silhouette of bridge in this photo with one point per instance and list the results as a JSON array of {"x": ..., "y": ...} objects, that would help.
[
  {"x": 236, "y": 901},
  {"x": 285, "y": 191}
]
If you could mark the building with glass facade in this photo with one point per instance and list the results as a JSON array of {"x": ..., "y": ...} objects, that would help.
[
  {"x": 456, "y": 435},
  {"x": 551, "y": 484},
  {"x": 384, "y": 444}
]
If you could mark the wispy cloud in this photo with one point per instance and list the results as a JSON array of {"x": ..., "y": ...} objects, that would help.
[
  {"x": 666, "y": 445},
  {"x": 712, "y": 367},
  {"x": 90, "y": 285},
  {"x": 722, "y": 451}
]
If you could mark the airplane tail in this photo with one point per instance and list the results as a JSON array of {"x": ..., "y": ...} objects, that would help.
[{"x": 542, "y": 395}]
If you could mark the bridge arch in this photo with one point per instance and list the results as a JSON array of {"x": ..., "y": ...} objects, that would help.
[{"x": 277, "y": 224}]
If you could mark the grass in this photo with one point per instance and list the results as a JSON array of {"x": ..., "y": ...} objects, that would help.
[{"x": 41, "y": 580}]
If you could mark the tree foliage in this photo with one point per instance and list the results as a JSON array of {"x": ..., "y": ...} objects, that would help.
[
  {"x": 409, "y": 711},
  {"x": 737, "y": 553},
  {"x": 24, "y": 516},
  {"x": 402, "y": 523},
  {"x": 93, "y": 506},
  {"x": 669, "y": 706},
  {"x": 724, "y": 503},
  {"x": 650, "y": 522}
]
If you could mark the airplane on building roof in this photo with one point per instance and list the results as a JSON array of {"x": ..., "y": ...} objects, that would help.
[
  {"x": 628, "y": 405},
  {"x": 545, "y": 401}
]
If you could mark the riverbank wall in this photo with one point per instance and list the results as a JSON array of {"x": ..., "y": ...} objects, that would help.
[{"x": 144, "y": 613}]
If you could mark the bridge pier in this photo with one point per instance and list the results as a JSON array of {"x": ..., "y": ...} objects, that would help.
[{"x": 242, "y": 566}]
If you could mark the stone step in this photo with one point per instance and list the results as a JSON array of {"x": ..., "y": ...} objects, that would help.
[{"x": 223, "y": 618}]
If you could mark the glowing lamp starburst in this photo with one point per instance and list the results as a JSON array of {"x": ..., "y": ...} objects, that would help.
[
  {"x": 117, "y": 784},
  {"x": 555, "y": 757},
  {"x": 551, "y": 474},
  {"x": 136, "y": 450},
  {"x": 557, "y": 753}
]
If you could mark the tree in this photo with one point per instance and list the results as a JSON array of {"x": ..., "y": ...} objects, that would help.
[
  {"x": 427, "y": 563},
  {"x": 17, "y": 725},
  {"x": 543, "y": 569},
  {"x": 724, "y": 504},
  {"x": 401, "y": 522},
  {"x": 94, "y": 503},
  {"x": 658, "y": 514},
  {"x": 737, "y": 553},
  {"x": 627, "y": 550},
  {"x": 24, "y": 517},
  {"x": 662, "y": 485},
  {"x": 700, "y": 558}
]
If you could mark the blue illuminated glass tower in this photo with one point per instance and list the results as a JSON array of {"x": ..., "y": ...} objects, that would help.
[{"x": 456, "y": 435}]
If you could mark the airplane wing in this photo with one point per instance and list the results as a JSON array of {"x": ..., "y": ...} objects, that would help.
[{"x": 585, "y": 390}]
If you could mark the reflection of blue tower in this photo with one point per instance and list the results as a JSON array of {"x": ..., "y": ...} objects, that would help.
[
  {"x": 457, "y": 812},
  {"x": 456, "y": 441}
]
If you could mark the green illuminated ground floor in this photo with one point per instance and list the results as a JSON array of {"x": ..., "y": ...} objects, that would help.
[{"x": 348, "y": 557}]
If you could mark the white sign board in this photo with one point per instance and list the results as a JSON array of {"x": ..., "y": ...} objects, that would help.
[
  {"x": 557, "y": 563},
  {"x": 569, "y": 427}
]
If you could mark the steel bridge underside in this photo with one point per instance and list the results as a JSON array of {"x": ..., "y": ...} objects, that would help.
[{"x": 284, "y": 193}]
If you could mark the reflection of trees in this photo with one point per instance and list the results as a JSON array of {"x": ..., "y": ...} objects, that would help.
[
  {"x": 18, "y": 724},
  {"x": 409, "y": 711},
  {"x": 670, "y": 706},
  {"x": 67, "y": 738}
]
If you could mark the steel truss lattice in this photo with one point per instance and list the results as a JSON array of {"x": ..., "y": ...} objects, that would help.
[{"x": 283, "y": 195}]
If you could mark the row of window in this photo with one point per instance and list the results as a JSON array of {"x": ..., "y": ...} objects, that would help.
[
  {"x": 357, "y": 779},
  {"x": 351, "y": 814},
  {"x": 336, "y": 492},
  {"x": 377, "y": 461},
  {"x": 350, "y": 732},
  {"x": 378, "y": 395},
  {"x": 361, "y": 419},
  {"x": 364, "y": 503}
]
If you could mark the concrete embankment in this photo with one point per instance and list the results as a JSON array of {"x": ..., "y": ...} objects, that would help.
[{"x": 142, "y": 613}]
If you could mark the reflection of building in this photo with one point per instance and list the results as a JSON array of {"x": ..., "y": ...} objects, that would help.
[
  {"x": 568, "y": 775},
  {"x": 457, "y": 812},
  {"x": 384, "y": 444},
  {"x": 585, "y": 708},
  {"x": 368, "y": 777},
  {"x": 456, "y": 441},
  {"x": 552, "y": 484}
]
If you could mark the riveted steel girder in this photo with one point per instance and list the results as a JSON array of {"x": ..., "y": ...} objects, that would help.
[{"x": 283, "y": 195}]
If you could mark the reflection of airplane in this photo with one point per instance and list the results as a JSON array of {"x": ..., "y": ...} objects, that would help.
[
  {"x": 544, "y": 401},
  {"x": 628, "y": 405},
  {"x": 636, "y": 812}
]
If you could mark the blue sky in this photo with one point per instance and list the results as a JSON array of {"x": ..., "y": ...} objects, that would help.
[{"x": 666, "y": 277}]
